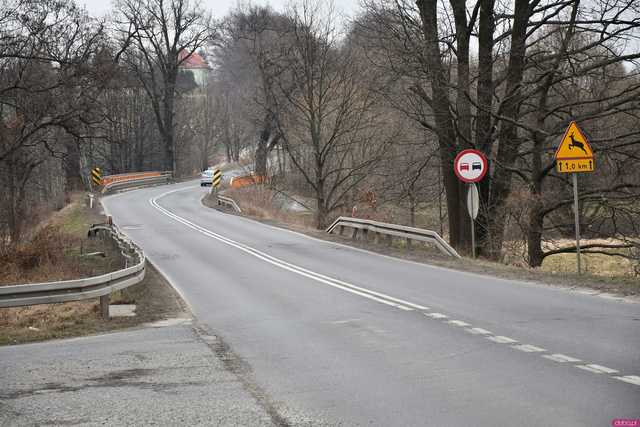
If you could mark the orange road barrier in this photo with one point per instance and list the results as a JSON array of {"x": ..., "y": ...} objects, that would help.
[
  {"x": 247, "y": 180},
  {"x": 128, "y": 176}
]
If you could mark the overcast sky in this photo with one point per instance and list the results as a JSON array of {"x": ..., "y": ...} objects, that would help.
[{"x": 219, "y": 8}]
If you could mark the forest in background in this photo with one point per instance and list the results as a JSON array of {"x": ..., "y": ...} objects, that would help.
[{"x": 341, "y": 112}]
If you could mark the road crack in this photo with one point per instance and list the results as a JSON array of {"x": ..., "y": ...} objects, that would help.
[{"x": 241, "y": 369}]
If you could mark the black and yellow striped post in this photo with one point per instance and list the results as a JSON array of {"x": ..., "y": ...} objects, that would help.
[
  {"x": 217, "y": 178},
  {"x": 96, "y": 176}
]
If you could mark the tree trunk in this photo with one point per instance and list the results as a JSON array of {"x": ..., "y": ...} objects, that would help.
[
  {"x": 458, "y": 236},
  {"x": 169, "y": 128},
  {"x": 262, "y": 152},
  {"x": 484, "y": 140},
  {"x": 509, "y": 143},
  {"x": 534, "y": 235}
]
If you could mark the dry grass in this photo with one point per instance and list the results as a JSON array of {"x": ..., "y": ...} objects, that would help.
[
  {"x": 38, "y": 322},
  {"x": 56, "y": 250},
  {"x": 55, "y": 253},
  {"x": 597, "y": 264},
  {"x": 257, "y": 201},
  {"x": 154, "y": 297}
]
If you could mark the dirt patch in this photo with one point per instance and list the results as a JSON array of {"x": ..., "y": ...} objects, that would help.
[{"x": 619, "y": 284}]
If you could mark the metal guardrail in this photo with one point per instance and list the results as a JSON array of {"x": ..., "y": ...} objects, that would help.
[
  {"x": 224, "y": 200},
  {"x": 81, "y": 289},
  {"x": 163, "y": 178},
  {"x": 394, "y": 230}
]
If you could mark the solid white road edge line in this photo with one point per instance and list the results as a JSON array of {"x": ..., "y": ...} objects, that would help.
[
  {"x": 379, "y": 297},
  {"x": 375, "y": 296}
]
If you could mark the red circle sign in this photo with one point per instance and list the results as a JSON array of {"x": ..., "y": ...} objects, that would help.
[{"x": 470, "y": 165}]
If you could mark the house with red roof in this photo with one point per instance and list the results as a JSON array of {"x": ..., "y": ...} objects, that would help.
[{"x": 196, "y": 65}]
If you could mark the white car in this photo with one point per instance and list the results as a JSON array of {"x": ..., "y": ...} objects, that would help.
[{"x": 206, "y": 178}]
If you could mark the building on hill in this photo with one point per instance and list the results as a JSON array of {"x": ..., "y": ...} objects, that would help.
[{"x": 196, "y": 65}]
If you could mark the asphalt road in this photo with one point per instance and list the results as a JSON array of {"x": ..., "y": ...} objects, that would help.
[
  {"x": 161, "y": 376},
  {"x": 339, "y": 336}
]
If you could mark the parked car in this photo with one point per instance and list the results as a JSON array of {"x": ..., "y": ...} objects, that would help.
[{"x": 206, "y": 178}]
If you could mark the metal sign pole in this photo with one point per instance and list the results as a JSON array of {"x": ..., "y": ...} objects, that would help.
[
  {"x": 473, "y": 225},
  {"x": 577, "y": 219}
]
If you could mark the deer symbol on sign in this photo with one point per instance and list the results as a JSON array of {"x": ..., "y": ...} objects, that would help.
[{"x": 575, "y": 143}]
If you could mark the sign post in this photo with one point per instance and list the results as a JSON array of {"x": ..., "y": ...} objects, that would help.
[
  {"x": 574, "y": 155},
  {"x": 471, "y": 166},
  {"x": 473, "y": 205},
  {"x": 576, "y": 214}
]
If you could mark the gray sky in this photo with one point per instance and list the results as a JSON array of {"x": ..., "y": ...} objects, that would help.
[{"x": 219, "y": 8}]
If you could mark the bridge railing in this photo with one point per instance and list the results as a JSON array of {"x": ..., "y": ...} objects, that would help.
[
  {"x": 393, "y": 230},
  {"x": 134, "y": 181},
  {"x": 228, "y": 201}
]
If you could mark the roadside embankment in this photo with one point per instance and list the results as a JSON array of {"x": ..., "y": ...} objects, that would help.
[{"x": 61, "y": 250}]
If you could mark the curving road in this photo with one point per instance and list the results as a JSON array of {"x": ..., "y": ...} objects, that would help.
[{"x": 338, "y": 336}]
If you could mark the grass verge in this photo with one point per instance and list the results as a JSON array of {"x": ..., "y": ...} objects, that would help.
[
  {"x": 155, "y": 300},
  {"x": 58, "y": 252}
]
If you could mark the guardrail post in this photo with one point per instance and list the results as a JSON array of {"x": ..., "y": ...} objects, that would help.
[
  {"x": 365, "y": 235},
  {"x": 341, "y": 230},
  {"x": 389, "y": 240},
  {"x": 354, "y": 236},
  {"x": 104, "y": 306},
  {"x": 409, "y": 244}
]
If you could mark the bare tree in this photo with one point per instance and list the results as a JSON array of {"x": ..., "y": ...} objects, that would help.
[
  {"x": 490, "y": 105},
  {"x": 48, "y": 88},
  {"x": 157, "y": 37},
  {"x": 327, "y": 117}
]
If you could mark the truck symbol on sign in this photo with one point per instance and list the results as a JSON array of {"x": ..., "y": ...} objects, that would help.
[
  {"x": 464, "y": 166},
  {"x": 476, "y": 166}
]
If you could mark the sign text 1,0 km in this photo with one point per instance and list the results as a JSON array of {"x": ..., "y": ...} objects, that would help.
[{"x": 470, "y": 166}]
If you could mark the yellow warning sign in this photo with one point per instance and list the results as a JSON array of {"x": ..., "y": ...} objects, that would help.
[
  {"x": 96, "y": 176},
  {"x": 574, "y": 154}
]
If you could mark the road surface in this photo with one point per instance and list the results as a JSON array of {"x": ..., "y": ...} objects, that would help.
[
  {"x": 160, "y": 376},
  {"x": 339, "y": 336}
]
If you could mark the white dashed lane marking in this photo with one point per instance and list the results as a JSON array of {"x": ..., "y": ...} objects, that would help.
[
  {"x": 561, "y": 358},
  {"x": 631, "y": 379},
  {"x": 436, "y": 315},
  {"x": 479, "y": 331},
  {"x": 528, "y": 348},
  {"x": 502, "y": 340},
  {"x": 597, "y": 369},
  {"x": 458, "y": 323}
]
